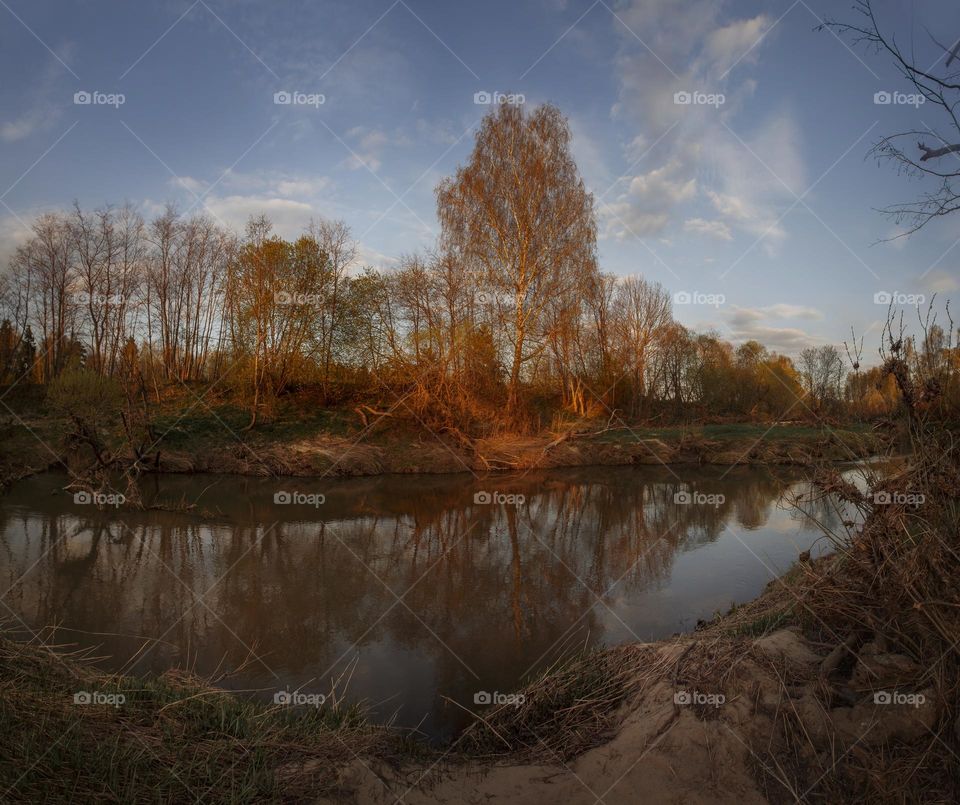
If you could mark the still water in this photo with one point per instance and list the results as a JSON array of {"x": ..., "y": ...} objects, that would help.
[{"x": 409, "y": 590}]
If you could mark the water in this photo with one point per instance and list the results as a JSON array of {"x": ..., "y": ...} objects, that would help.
[{"x": 406, "y": 585}]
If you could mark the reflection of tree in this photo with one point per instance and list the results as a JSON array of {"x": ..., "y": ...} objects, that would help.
[
  {"x": 808, "y": 504},
  {"x": 489, "y": 587}
]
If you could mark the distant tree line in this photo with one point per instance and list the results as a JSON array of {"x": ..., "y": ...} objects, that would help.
[{"x": 507, "y": 323}]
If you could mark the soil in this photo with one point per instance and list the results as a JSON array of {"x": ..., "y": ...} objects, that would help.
[{"x": 327, "y": 455}]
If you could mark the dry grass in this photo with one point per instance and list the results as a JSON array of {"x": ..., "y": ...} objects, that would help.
[{"x": 173, "y": 739}]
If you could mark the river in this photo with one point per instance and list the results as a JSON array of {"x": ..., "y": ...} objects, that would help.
[{"x": 408, "y": 593}]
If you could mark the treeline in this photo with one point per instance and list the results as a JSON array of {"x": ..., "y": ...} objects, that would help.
[{"x": 509, "y": 323}]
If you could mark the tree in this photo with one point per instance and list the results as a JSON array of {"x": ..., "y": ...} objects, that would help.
[
  {"x": 91, "y": 402},
  {"x": 186, "y": 269},
  {"x": 337, "y": 244},
  {"x": 519, "y": 213},
  {"x": 919, "y": 151},
  {"x": 822, "y": 372},
  {"x": 272, "y": 298},
  {"x": 640, "y": 311},
  {"x": 44, "y": 275}
]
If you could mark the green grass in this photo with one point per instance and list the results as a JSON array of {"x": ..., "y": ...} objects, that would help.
[
  {"x": 763, "y": 624},
  {"x": 210, "y": 423}
]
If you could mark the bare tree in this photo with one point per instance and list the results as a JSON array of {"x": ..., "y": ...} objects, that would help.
[
  {"x": 44, "y": 271},
  {"x": 641, "y": 310},
  {"x": 520, "y": 212},
  {"x": 919, "y": 151},
  {"x": 337, "y": 243},
  {"x": 821, "y": 370}
]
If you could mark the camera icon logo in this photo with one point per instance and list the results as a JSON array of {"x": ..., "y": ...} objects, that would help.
[
  {"x": 882, "y": 697},
  {"x": 682, "y": 98},
  {"x": 482, "y": 697},
  {"x": 82, "y": 98},
  {"x": 282, "y": 498},
  {"x": 283, "y": 298},
  {"x": 683, "y": 498},
  {"x": 82, "y": 498},
  {"x": 882, "y": 298},
  {"x": 682, "y": 298},
  {"x": 882, "y": 98},
  {"x": 82, "y": 697},
  {"x": 282, "y": 697},
  {"x": 282, "y": 98},
  {"x": 682, "y": 697},
  {"x": 482, "y": 98},
  {"x": 882, "y": 498},
  {"x": 481, "y": 498}
]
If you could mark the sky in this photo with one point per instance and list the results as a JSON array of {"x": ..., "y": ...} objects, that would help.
[{"x": 726, "y": 143}]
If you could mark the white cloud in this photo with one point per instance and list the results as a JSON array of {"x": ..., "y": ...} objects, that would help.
[
  {"x": 289, "y": 217},
  {"x": 14, "y": 233},
  {"x": 755, "y": 181},
  {"x": 941, "y": 281},
  {"x": 189, "y": 184},
  {"x": 268, "y": 183},
  {"x": 714, "y": 229},
  {"x": 762, "y": 324},
  {"x": 785, "y": 311},
  {"x": 645, "y": 207},
  {"x": 691, "y": 47},
  {"x": 48, "y": 99},
  {"x": 368, "y": 256},
  {"x": 368, "y": 148},
  {"x": 301, "y": 187},
  {"x": 736, "y": 43}
]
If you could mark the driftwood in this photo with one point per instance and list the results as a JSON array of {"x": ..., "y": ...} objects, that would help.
[{"x": 362, "y": 411}]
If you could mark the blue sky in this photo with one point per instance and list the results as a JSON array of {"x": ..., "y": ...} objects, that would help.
[{"x": 767, "y": 198}]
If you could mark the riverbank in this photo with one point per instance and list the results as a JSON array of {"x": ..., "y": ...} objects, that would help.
[
  {"x": 332, "y": 443},
  {"x": 750, "y": 708},
  {"x": 415, "y": 451},
  {"x": 70, "y": 733}
]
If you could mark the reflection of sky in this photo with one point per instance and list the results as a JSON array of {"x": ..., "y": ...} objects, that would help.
[
  {"x": 478, "y": 620},
  {"x": 711, "y": 577}
]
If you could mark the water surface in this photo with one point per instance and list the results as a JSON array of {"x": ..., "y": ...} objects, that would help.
[{"x": 412, "y": 586}]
